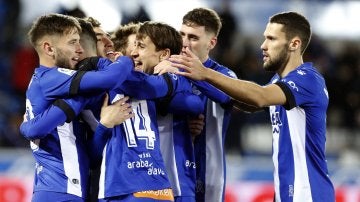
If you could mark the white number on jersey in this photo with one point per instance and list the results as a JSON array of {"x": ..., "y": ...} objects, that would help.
[{"x": 139, "y": 127}]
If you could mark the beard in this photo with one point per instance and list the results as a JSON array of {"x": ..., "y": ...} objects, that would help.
[
  {"x": 279, "y": 61},
  {"x": 61, "y": 60}
]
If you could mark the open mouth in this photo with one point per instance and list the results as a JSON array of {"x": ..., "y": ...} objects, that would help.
[
  {"x": 138, "y": 63},
  {"x": 76, "y": 59},
  {"x": 109, "y": 53}
]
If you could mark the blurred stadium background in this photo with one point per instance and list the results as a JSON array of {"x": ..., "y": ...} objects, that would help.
[{"x": 334, "y": 49}]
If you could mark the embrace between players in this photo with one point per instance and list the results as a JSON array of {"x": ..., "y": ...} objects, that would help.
[{"x": 151, "y": 115}]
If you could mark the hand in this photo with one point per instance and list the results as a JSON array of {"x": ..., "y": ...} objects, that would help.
[
  {"x": 116, "y": 55},
  {"x": 115, "y": 113},
  {"x": 196, "y": 125},
  {"x": 190, "y": 65},
  {"x": 163, "y": 67},
  {"x": 88, "y": 64}
]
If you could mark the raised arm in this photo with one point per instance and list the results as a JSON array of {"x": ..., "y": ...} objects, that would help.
[
  {"x": 245, "y": 91},
  {"x": 107, "y": 77}
]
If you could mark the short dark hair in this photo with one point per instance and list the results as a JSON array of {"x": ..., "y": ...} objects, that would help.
[
  {"x": 87, "y": 34},
  {"x": 121, "y": 34},
  {"x": 204, "y": 17},
  {"x": 52, "y": 24},
  {"x": 94, "y": 22},
  {"x": 162, "y": 35},
  {"x": 295, "y": 24}
]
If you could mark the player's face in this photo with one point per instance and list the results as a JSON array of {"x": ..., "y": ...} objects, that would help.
[
  {"x": 131, "y": 44},
  {"x": 68, "y": 50},
  {"x": 275, "y": 48},
  {"x": 104, "y": 46},
  {"x": 145, "y": 55},
  {"x": 197, "y": 39}
]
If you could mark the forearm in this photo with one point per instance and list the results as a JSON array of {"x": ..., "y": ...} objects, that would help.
[
  {"x": 43, "y": 124},
  {"x": 244, "y": 91}
]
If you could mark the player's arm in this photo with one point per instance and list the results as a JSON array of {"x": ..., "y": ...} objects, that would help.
[
  {"x": 186, "y": 103},
  {"x": 206, "y": 88},
  {"x": 248, "y": 92},
  {"x": 212, "y": 92},
  {"x": 143, "y": 86},
  {"x": 183, "y": 101},
  {"x": 105, "y": 78},
  {"x": 57, "y": 114},
  {"x": 110, "y": 116},
  {"x": 241, "y": 90},
  {"x": 245, "y": 107},
  {"x": 61, "y": 83}
]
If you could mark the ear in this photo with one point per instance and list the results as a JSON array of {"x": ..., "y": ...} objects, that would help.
[
  {"x": 295, "y": 44},
  {"x": 48, "y": 48},
  {"x": 212, "y": 43},
  {"x": 165, "y": 54}
]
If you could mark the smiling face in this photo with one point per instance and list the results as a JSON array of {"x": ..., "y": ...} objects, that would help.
[
  {"x": 145, "y": 55},
  {"x": 105, "y": 47},
  {"x": 67, "y": 50},
  {"x": 275, "y": 48}
]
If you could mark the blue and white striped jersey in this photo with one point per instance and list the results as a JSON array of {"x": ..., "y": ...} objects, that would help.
[
  {"x": 299, "y": 136},
  {"x": 132, "y": 161},
  {"x": 178, "y": 153},
  {"x": 61, "y": 161},
  {"x": 176, "y": 144},
  {"x": 61, "y": 149},
  {"x": 209, "y": 145}
]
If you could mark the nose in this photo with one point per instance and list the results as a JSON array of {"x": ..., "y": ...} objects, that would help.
[
  {"x": 263, "y": 46},
  {"x": 134, "y": 53},
  {"x": 107, "y": 41},
  {"x": 79, "y": 49},
  {"x": 186, "y": 42}
]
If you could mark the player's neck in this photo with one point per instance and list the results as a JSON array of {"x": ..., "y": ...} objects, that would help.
[
  {"x": 47, "y": 62},
  {"x": 293, "y": 63}
]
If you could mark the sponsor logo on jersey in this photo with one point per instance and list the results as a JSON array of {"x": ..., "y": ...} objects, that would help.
[
  {"x": 293, "y": 85},
  {"x": 69, "y": 72},
  {"x": 301, "y": 72}
]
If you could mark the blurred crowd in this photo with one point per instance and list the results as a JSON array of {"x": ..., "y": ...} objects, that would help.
[{"x": 337, "y": 60}]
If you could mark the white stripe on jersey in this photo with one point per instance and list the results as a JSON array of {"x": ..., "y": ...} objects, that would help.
[
  {"x": 102, "y": 175},
  {"x": 275, "y": 156},
  {"x": 297, "y": 125},
  {"x": 165, "y": 125},
  {"x": 214, "y": 178},
  {"x": 70, "y": 158}
]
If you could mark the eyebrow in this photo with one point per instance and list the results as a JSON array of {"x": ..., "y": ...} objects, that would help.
[{"x": 103, "y": 34}]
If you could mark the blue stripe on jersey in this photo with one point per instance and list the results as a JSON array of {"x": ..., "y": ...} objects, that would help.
[
  {"x": 54, "y": 173},
  {"x": 132, "y": 160},
  {"x": 299, "y": 132},
  {"x": 129, "y": 168},
  {"x": 178, "y": 153},
  {"x": 58, "y": 159},
  {"x": 209, "y": 146}
]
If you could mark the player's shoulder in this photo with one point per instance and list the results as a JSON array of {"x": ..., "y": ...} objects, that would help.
[
  {"x": 223, "y": 69},
  {"x": 306, "y": 72}
]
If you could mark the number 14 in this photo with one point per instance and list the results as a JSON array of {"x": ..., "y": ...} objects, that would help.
[{"x": 139, "y": 127}]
